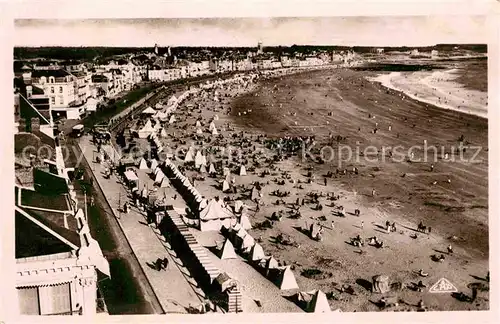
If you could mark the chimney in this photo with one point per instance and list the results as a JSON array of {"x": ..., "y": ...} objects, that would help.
[
  {"x": 29, "y": 91},
  {"x": 35, "y": 124},
  {"x": 22, "y": 125},
  {"x": 27, "y": 77}
]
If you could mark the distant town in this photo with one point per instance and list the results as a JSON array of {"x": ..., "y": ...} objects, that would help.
[{"x": 66, "y": 82}]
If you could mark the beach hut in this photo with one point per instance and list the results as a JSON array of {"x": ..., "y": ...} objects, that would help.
[
  {"x": 257, "y": 253},
  {"x": 227, "y": 251},
  {"x": 286, "y": 279},
  {"x": 243, "y": 171}
]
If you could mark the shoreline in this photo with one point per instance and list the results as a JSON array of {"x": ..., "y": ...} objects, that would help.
[{"x": 387, "y": 81}]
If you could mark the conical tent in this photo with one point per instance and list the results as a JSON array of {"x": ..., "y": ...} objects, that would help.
[
  {"x": 211, "y": 126},
  {"x": 214, "y": 131},
  {"x": 211, "y": 169},
  {"x": 198, "y": 124},
  {"x": 216, "y": 117},
  {"x": 245, "y": 222},
  {"x": 319, "y": 303},
  {"x": 203, "y": 204},
  {"x": 163, "y": 133},
  {"x": 225, "y": 171},
  {"x": 188, "y": 157},
  {"x": 257, "y": 252},
  {"x": 164, "y": 183},
  {"x": 248, "y": 243},
  {"x": 198, "y": 159},
  {"x": 238, "y": 205},
  {"x": 225, "y": 186},
  {"x": 214, "y": 210},
  {"x": 286, "y": 279},
  {"x": 143, "y": 165},
  {"x": 271, "y": 263},
  {"x": 228, "y": 178},
  {"x": 203, "y": 169},
  {"x": 243, "y": 171},
  {"x": 199, "y": 131},
  {"x": 227, "y": 251},
  {"x": 171, "y": 120},
  {"x": 159, "y": 176},
  {"x": 154, "y": 164}
]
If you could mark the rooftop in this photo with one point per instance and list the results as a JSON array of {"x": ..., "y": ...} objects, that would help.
[{"x": 59, "y": 73}]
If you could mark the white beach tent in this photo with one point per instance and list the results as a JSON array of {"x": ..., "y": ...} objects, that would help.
[
  {"x": 153, "y": 165},
  {"x": 226, "y": 171},
  {"x": 245, "y": 222},
  {"x": 248, "y": 243},
  {"x": 211, "y": 126},
  {"x": 172, "y": 119},
  {"x": 227, "y": 251},
  {"x": 286, "y": 279},
  {"x": 203, "y": 169},
  {"x": 163, "y": 133},
  {"x": 172, "y": 100},
  {"x": 214, "y": 131},
  {"x": 143, "y": 165},
  {"x": 257, "y": 253},
  {"x": 159, "y": 177},
  {"x": 212, "y": 215},
  {"x": 225, "y": 186},
  {"x": 319, "y": 303},
  {"x": 165, "y": 183},
  {"x": 198, "y": 124},
  {"x": 211, "y": 169},
  {"x": 149, "y": 111},
  {"x": 199, "y": 131},
  {"x": 189, "y": 156},
  {"x": 243, "y": 171},
  {"x": 146, "y": 131}
]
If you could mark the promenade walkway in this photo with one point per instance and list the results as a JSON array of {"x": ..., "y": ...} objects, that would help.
[{"x": 174, "y": 286}]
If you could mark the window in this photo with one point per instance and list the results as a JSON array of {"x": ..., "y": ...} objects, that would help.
[
  {"x": 52, "y": 100},
  {"x": 61, "y": 100},
  {"x": 28, "y": 301},
  {"x": 60, "y": 89},
  {"x": 51, "y": 89},
  {"x": 51, "y": 79},
  {"x": 61, "y": 299}
]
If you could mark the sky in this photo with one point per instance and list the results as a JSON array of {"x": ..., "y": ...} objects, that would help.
[{"x": 346, "y": 31}]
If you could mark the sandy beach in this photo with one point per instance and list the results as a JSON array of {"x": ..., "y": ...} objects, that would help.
[{"x": 453, "y": 199}]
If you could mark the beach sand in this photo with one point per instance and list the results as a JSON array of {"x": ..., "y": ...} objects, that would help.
[{"x": 301, "y": 105}]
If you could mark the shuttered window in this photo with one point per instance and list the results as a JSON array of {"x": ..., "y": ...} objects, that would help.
[
  {"x": 28, "y": 301},
  {"x": 61, "y": 298}
]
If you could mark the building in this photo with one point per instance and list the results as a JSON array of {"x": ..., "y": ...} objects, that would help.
[
  {"x": 260, "y": 49},
  {"x": 59, "y": 85},
  {"x": 58, "y": 263}
]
